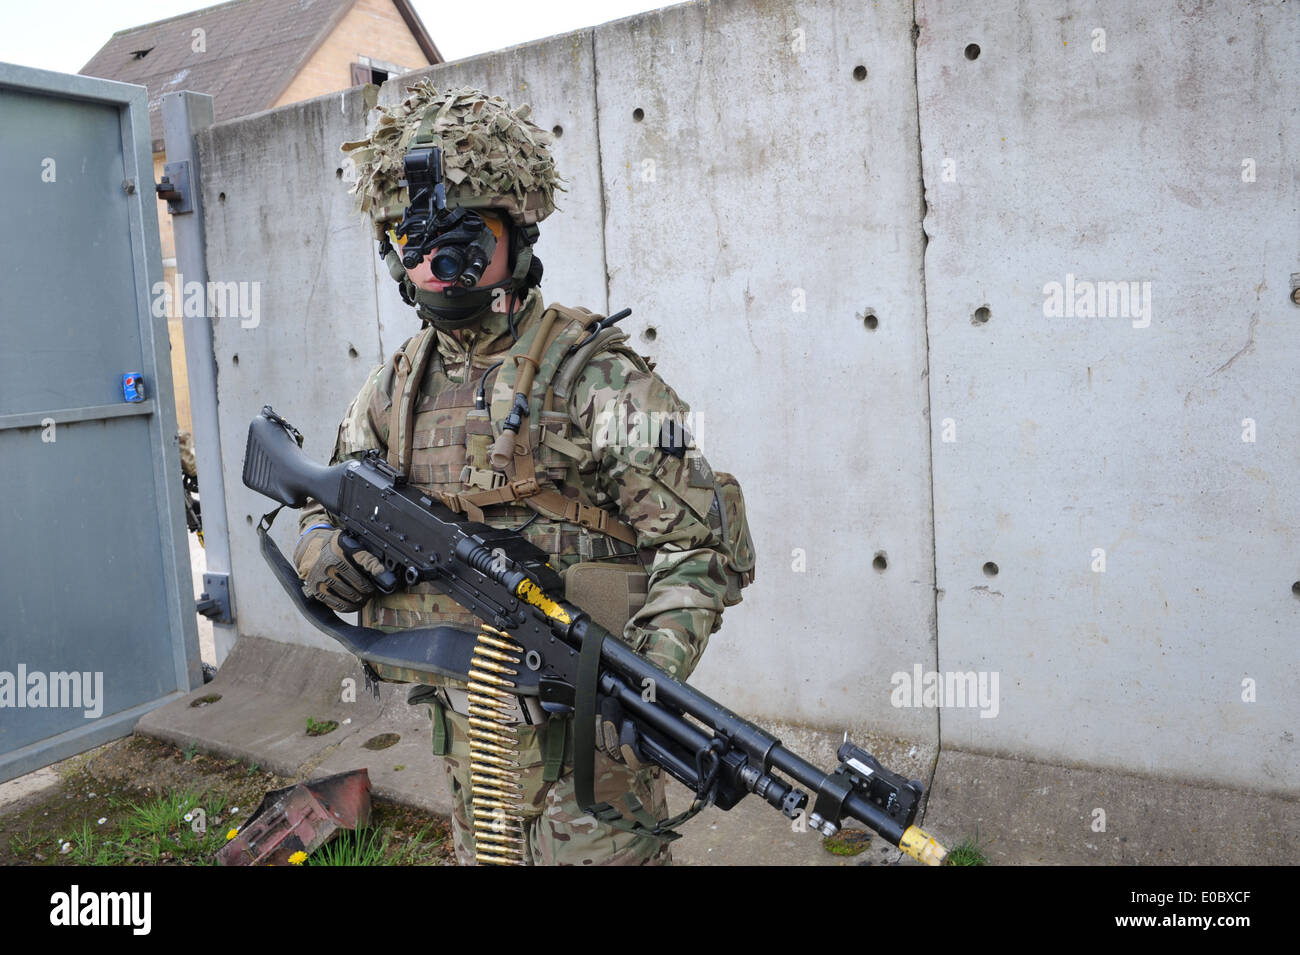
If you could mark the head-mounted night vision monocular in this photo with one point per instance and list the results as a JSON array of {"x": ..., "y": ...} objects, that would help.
[{"x": 465, "y": 242}]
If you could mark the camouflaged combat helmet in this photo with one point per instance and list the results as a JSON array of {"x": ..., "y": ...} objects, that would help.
[{"x": 494, "y": 157}]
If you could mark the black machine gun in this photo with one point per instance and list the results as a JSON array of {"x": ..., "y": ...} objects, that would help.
[{"x": 570, "y": 663}]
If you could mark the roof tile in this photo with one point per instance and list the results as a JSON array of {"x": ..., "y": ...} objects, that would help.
[{"x": 253, "y": 48}]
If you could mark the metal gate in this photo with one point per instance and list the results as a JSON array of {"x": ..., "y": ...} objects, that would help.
[{"x": 96, "y": 612}]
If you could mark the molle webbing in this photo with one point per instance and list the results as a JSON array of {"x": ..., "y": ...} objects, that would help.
[
  {"x": 503, "y": 451},
  {"x": 409, "y": 366},
  {"x": 531, "y": 369}
]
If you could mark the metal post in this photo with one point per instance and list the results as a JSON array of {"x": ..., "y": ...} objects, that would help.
[{"x": 184, "y": 114}]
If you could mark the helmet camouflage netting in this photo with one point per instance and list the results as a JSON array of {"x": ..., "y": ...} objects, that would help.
[{"x": 493, "y": 156}]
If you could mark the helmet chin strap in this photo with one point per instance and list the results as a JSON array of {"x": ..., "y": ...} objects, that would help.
[{"x": 455, "y": 307}]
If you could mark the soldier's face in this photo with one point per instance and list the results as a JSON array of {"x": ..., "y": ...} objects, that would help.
[{"x": 497, "y": 270}]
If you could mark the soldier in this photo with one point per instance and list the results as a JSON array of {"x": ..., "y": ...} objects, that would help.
[{"x": 599, "y": 471}]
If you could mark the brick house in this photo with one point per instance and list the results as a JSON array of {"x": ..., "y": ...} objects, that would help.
[{"x": 253, "y": 55}]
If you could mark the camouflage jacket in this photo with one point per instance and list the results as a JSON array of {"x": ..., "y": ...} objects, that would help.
[{"x": 668, "y": 499}]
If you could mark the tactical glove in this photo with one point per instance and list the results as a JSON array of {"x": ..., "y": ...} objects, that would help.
[
  {"x": 335, "y": 575},
  {"x": 608, "y": 742}
]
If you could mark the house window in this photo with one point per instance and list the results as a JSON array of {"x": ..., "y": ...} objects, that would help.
[{"x": 368, "y": 70}]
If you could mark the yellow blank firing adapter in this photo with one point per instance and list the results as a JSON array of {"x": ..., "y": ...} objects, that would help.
[{"x": 922, "y": 847}]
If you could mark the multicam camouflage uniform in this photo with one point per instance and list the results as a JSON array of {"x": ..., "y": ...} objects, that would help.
[
  {"x": 603, "y": 448},
  {"x": 668, "y": 499}
]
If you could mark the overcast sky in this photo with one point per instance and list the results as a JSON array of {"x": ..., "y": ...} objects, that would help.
[{"x": 63, "y": 36}]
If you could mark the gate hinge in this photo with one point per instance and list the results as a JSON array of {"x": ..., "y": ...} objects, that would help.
[
  {"x": 214, "y": 602},
  {"x": 175, "y": 187}
]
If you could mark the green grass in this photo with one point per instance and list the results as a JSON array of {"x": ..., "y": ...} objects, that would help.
[
  {"x": 142, "y": 790},
  {"x": 360, "y": 847},
  {"x": 321, "y": 727},
  {"x": 156, "y": 832},
  {"x": 25, "y": 844},
  {"x": 967, "y": 852},
  {"x": 152, "y": 832},
  {"x": 415, "y": 852},
  {"x": 372, "y": 846}
]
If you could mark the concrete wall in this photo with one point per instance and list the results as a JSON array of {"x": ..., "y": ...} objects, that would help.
[
  {"x": 765, "y": 185},
  {"x": 372, "y": 28},
  {"x": 1078, "y": 434}
]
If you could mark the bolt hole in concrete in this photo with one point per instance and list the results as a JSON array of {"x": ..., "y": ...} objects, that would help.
[
  {"x": 234, "y": 359},
  {"x": 249, "y": 518},
  {"x": 352, "y": 351},
  {"x": 557, "y": 130},
  {"x": 870, "y": 320},
  {"x": 338, "y": 173},
  {"x": 990, "y": 569},
  {"x": 649, "y": 334},
  {"x": 382, "y": 741},
  {"x": 859, "y": 73},
  {"x": 221, "y": 197},
  {"x": 980, "y": 316},
  {"x": 1295, "y": 588},
  {"x": 973, "y": 51},
  {"x": 638, "y": 114},
  {"x": 880, "y": 562}
]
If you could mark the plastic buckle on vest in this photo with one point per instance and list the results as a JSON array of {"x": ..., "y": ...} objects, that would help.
[
  {"x": 525, "y": 487},
  {"x": 451, "y": 501},
  {"x": 593, "y": 518},
  {"x": 572, "y": 512},
  {"x": 482, "y": 477}
]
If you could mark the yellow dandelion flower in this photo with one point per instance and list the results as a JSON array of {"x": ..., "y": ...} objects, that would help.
[
  {"x": 231, "y": 834},
  {"x": 298, "y": 858}
]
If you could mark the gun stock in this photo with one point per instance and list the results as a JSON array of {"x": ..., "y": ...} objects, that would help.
[
  {"x": 274, "y": 465},
  {"x": 573, "y": 665}
]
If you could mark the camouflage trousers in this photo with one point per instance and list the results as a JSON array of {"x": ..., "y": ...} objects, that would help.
[{"x": 555, "y": 830}]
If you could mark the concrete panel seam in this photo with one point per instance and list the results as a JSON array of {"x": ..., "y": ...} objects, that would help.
[
  {"x": 925, "y": 324},
  {"x": 600, "y": 168},
  {"x": 377, "y": 274}
]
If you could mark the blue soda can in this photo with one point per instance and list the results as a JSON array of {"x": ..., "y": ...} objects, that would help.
[{"x": 133, "y": 386}]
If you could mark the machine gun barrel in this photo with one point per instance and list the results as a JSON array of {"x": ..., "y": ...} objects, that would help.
[{"x": 506, "y": 581}]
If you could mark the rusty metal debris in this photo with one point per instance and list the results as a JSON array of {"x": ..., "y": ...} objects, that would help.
[{"x": 300, "y": 819}]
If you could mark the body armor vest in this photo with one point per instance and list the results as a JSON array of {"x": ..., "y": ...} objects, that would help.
[{"x": 450, "y": 455}]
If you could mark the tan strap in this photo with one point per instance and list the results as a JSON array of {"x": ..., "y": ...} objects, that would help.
[
  {"x": 503, "y": 449},
  {"x": 586, "y": 515},
  {"x": 514, "y": 458},
  {"x": 409, "y": 365},
  {"x": 563, "y": 445},
  {"x": 396, "y": 418},
  {"x": 569, "y": 509},
  {"x": 551, "y": 503},
  {"x": 460, "y": 504}
]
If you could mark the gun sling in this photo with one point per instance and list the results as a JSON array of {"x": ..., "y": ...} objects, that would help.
[{"x": 401, "y": 656}]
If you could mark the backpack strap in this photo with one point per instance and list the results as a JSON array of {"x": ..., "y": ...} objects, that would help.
[{"x": 408, "y": 366}]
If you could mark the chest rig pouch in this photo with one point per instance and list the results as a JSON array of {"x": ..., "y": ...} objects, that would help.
[{"x": 517, "y": 456}]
